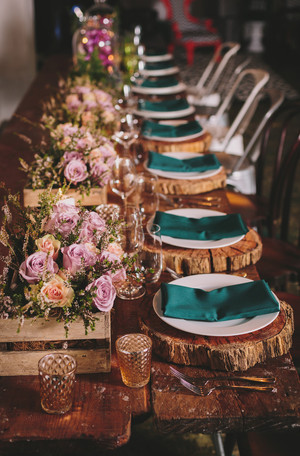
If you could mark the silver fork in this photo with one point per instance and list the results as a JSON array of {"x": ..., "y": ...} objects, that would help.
[
  {"x": 205, "y": 390},
  {"x": 205, "y": 381}
]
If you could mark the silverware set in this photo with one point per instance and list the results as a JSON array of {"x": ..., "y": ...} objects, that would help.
[
  {"x": 204, "y": 386},
  {"x": 178, "y": 201}
]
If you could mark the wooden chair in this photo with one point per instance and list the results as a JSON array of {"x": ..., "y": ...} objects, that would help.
[{"x": 189, "y": 31}]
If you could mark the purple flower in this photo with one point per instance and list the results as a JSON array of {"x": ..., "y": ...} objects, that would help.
[
  {"x": 77, "y": 257},
  {"x": 100, "y": 172},
  {"x": 33, "y": 268},
  {"x": 64, "y": 218},
  {"x": 76, "y": 171},
  {"x": 104, "y": 293},
  {"x": 68, "y": 156},
  {"x": 92, "y": 228},
  {"x": 120, "y": 274}
]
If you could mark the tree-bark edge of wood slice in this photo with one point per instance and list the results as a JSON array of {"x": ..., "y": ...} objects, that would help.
[
  {"x": 236, "y": 353},
  {"x": 192, "y": 187},
  {"x": 205, "y": 261},
  {"x": 197, "y": 145}
]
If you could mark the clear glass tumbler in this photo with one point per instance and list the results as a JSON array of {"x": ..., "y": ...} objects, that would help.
[
  {"x": 134, "y": 355},
  {"x": 57, "y": 380}
]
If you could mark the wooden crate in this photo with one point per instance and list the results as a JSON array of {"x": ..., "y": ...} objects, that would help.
[
  {"x": 20, "y": 353},
  {"x": 97, "y": 196}
]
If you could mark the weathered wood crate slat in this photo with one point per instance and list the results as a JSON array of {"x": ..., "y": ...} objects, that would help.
[
  {"x": 95, "y": 197},
  {"x": 90, "y": 359}
]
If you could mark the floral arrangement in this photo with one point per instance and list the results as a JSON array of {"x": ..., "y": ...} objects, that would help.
[
  {"x": 62, "y": 260},
  {"x": 74, "y": 156}
]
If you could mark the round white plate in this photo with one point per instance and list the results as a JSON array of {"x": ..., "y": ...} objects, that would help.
[
  {"x": 194, "y": 244},
  {"x": 157, "y": 58},
  {"x": 172, "y": 139},
  {"x": 185, "y": 176},
  {"x": 165, "y": 114},
  {"x": 180, "y": 87},
  {"x": 210, "y": 282},
  {"x": 160, "y": 72}
]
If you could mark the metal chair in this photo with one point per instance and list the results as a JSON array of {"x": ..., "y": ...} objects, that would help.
[
  {"x": 189, "y": 31},
  {"x": 201, "y": 93}
]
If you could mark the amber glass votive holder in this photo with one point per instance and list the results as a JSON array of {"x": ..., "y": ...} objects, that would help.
[
  {"x": 134, "y": 356},
  {"x": 57, "y": 381}
]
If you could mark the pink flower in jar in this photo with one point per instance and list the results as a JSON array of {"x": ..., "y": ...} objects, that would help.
[
  {"x": 76, "y": 171},
  {"x": 103, "y": 293},
  {"x": 36, "y": 265}
]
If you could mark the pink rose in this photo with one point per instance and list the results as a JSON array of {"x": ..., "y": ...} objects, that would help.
[
  {"x": 64, "y": 218},
  {"x": 103, "y": 292},
  {"x": 76, "y": 171},
  {"x": 92, "y": 228},
  {"x": 120, "y": 274},
  {"x": 100, "y": 172},
  {"x": 115, "y": 248},
  {"x": 77, "y": 257},
  {"x": 72, "y": 101},
  {"x": 36, "y": 265},
  {"x": 57, "y": 293},
  {"x": 68, "y": 156},
  {"x": 48, "y": 244}
]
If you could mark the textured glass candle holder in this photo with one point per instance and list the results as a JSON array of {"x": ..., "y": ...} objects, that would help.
[
  {"x": 57, "y": 380},
  {"x": 134, "y": 355}
]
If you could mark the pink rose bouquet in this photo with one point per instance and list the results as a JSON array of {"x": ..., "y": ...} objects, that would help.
[{"x": 61, "y": 258}]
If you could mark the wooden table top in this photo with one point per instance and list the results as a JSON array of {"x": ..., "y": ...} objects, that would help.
[{"x": 104, "y": 407}]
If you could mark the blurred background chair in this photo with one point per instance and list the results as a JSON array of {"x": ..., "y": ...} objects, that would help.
[
  {"x": 190, "y": 31},
  {"x": 205, "y": 92},
  {"x": 276, "y": 201}
]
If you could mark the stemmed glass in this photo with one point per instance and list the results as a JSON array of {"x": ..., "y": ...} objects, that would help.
[
  {"x": 128, "y": 132},
  {"x": 123, "y": 178},
  {"x": 150, "y": 259},
  {"x": 131, "y": 240}
]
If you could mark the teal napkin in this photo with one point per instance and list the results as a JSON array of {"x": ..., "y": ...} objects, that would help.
[
  {"x": 161, "y": 106},
  {"x": 244, "y": 300},
  {"x": 206, "y": 228},
  {"x": 165, "y": 81},
  {"x": 150, "y": 128},
  {"x": 159, "y": 65},
  {"x": 187, "y": 165}
]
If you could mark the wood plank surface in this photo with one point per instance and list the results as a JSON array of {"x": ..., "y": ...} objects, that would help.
[{"x": 177, "y": 409}]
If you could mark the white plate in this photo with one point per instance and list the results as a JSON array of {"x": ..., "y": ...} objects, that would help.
[
  {"x": 210, "y": 282},
  {"x": 194, "y": 244},
  {"x": 172, "y": 139},
  {"x": 165, "y": 114},
  {"x": 157, "y": 58},
  {"x": 185, "y": 176},
  {"x": 160, "y": 72},
  {"x": 180, "y": 87}
]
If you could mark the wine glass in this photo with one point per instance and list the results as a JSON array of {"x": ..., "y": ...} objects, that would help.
[
  {"x": 146, "y": 195},
  {"x": 128, "y": 132},
  {"x": 131, "y": 241},
  {"x": 150, "y": 259},
  {"x": 123, "y": 178}
]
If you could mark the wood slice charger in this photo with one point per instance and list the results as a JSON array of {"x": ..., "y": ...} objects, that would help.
[{"x": 234, "y": 353}]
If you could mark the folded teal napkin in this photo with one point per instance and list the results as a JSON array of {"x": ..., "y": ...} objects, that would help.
[
  {"x": 161, "y": 106},
  {"x": 187, "y": 165},
  {"x": 165, "y": 81},
  {"x": 150, "y": 128},
  {"x": 203, "y": 229},
  {"x": 245, "y": 300},
  {"x": 159, "y": 65}
]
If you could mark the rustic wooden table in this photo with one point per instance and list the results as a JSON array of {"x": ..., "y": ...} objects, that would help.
[{"x": 104, "y": 407}]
